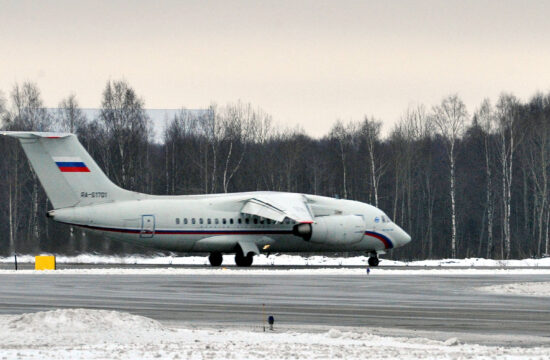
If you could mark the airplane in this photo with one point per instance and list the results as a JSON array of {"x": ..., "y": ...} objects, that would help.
[{"x": 245, "y": 224}]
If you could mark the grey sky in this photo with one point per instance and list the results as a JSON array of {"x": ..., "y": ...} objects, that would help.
[{"x": 304, "y": 62}]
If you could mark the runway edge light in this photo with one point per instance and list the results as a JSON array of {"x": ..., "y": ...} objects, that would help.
[{"x": 44, "y": 262}]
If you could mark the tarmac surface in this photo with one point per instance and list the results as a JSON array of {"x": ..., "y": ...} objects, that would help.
[{"x": 419, "y": 303}]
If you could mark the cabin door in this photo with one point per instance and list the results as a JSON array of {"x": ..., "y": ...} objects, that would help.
[{"x": 147, "y": 226}]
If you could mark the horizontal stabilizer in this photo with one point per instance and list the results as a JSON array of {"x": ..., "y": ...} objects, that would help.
[{"x": 34, "y": 134}]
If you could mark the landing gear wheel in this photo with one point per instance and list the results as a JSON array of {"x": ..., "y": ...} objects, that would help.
[
  {"x": 244, "y": 261},
  {"x": 374, "y": 261},
  {"x": 215, "y": 258}
]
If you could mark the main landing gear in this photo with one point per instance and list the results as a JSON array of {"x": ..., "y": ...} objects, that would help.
[
  {"x": 242, "y": 260},
  {"x": 215, "y": 258},
  {"x": 373, "y": 260}
]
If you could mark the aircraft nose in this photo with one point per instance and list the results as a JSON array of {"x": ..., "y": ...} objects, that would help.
[{"x": 402, "y": 237}]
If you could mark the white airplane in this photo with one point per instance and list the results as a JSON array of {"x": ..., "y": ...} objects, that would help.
[{"x": 242, "y": 223}]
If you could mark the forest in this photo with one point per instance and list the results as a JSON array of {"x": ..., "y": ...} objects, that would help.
[{"x": 462, "y": 182}]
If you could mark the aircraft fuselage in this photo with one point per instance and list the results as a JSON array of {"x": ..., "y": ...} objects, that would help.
[{"x": 182, "y": 223}]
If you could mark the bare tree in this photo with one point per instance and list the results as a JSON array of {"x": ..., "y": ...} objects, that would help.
[
  {"x": 70, "y": 116},
  {"x": 128, "y": 127},
  {"x": 2, "y": 109},
  {"x": 343, "y": 135},
  {"x": 450, "y": 118},
  {"x": 486, "y": 118},
  {"x": 211, "y": 127},
  {"x": 538, "y": 160},
  {"x": 507, "y": 119},
  {"x": 29, "y": 113},
  {"x": 370, "y": 130}
]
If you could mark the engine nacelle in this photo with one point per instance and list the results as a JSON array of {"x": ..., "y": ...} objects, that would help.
[{"x": 332, "y": 230}]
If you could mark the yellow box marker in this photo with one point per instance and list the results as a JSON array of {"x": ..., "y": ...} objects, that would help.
[{"x": 44, "y": 263}]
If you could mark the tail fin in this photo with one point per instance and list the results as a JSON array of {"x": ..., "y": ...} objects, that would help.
[{"x": 66, "y": 171}]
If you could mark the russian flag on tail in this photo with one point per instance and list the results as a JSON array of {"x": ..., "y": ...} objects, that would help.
[{"x": 70, "y": 164}]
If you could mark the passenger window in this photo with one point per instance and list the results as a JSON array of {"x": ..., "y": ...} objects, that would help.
[
  {"x": 240, "y": 221},
  {"x": 216, "y": 221},
  {"x": 177, "y": 221},
  {"x": 209, "y": 221},
  {"x": 224, "y": 221},
  {"x": 185, "y": 221},
  {"x": 255, "y": 220},
  {"x": 193, "y": 221},
  {"x": 247, "y": 220},
  {"x": 262, "y": 221},
  {"x": 201, "y": 221},
  {"x": 231, "y": 221}
]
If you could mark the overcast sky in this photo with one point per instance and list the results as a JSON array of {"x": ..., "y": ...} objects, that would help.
[{"x": 304, "y": 62}]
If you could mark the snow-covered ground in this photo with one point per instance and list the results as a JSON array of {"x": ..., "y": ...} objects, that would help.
[
  {"x": 282, "y": 265},
  {"x": 93, "y": 334},
  {"x": 178, "y": 271},
  {"x": 281, "y": 260},
  {"x": 524, "y": 288}
]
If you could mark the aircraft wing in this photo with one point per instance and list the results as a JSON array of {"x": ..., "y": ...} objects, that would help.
[
  {"x": 248, "y": 243},
  {"x": 278, "y": 206}
]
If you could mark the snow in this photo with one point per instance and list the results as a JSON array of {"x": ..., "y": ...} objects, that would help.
[
  {"x": 93, "y": 334},
  {"x": 281, "y": 265},
  {"x": 178, "y": 271},
  {"x": 284, "y": 260},
  {"x": 523, "y": 288}
]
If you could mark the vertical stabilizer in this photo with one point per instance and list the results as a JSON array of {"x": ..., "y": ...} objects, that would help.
[{"x": 67, "y": 172}]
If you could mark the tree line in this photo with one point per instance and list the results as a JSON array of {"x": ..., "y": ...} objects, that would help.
[{"x": 461, "y": 183}]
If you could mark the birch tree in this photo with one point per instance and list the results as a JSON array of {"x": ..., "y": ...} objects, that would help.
[
  {"x": 343, "y": 139},
  {"x": 70, "y": 117},
  {"x": 486, "y": 118},
  {"x": 239, "y": 124},
  {"x": 28, "y": 113},
  {"x": 537, "y": 147},
  {"x": 2, "y": 109},
  {"x": 507, "y": 116},
  {"x": 128, "y": 128},
  {"x": 370, "y": 130},
  {"x": 450, "y": 119}
]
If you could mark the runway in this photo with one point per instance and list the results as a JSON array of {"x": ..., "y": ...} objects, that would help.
[{"x": 441, "y": 303}]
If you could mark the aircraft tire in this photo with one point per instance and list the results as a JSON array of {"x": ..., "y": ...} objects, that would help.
[
  {"x": 374, "y": 261},
  {"x": 215, "y": 258},
  {"x": 244, "y": 261}
]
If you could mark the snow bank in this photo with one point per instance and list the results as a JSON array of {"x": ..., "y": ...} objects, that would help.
[
  {"x": 283, "y": 259},
  {"x": 92, "y": 334},
  {"x": 524, "y": 288},
  {"x": 74, "y": 326}
]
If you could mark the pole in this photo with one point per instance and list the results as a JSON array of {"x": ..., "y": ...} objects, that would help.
[
  {"x": 15, "y": 257},
  {"x": 263, "y": 312}
]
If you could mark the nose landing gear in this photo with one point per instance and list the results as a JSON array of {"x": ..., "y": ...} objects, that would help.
[{"x": 374, "y": 260}]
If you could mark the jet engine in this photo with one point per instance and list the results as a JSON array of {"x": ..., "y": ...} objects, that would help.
[{"x": 332, "y": 230}]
